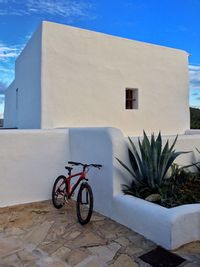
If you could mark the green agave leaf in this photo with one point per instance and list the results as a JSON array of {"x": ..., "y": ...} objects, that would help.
[
  {"x": 137, "y": 156},
  {"x": 169, "y": 162},
  {"x": 198, "y": 150},
  {"x": 131, "y": 172},
  {"x": 188, "y": 166},
  {"x": 162, "y": 162},
  {"x": 173, "y": 144},
  {"x": 154, "y": 156},
  {"x": 146, "y": 146},
  {"x": 152, "y": 140},
  {"x": 158, "y": 147},
  {"x": 146, "y": 139},
  {"x": 159, "y": 142},
  {"x": 134, "y": 165},
  {"x": 143, "y": 167}
]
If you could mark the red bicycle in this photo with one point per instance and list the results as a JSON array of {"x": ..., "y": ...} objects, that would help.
[{"x": 62, "y": 191}]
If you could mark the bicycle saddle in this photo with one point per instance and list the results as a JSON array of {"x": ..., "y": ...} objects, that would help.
[{"x": 68, "y": 168}]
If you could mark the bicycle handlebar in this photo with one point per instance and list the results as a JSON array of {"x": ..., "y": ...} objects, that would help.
[{"x": 84, "y": 165}]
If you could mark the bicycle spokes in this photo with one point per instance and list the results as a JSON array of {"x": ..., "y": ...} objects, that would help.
[{"x": 59, "y": 192}]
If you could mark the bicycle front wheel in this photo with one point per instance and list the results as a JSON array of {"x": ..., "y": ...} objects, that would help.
[
  {"x": 59, "y": 192},
  {"x": 84, "y": 205}
]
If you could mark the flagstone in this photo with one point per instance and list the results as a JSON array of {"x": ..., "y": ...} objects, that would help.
[
  {"x": 74, "y": 234},
  {"x": 57, "y": 230},
  {"x": 14, "y": 231},
  {"x": 92, "y": 261},
  {"x": 88, "y": 239},
  {"x": 26, "y": 256},
  {"x": 12, "y": 260},
  {"x": 124, "y": 260},
  {"x": 96, "y": 218},
  {"x": 123, "y": 241},
  {"x": 30, "y": 264},
  {"x": 50, "y": 247},
  {"x": 38, "y": 233},
  {"x": 61, "y": 253},
  {"x": 51, "y": 262},
  {"x": 132, "y": 250},
  {"x": 9, "y": 246},
  {"x": 106, "y": 253},
  {"x": 76, "y": 256}
]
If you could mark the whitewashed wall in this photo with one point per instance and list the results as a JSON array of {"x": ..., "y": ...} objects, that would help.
[
  {"x": 70, "y": 77},
  {"x": 104, "y": 145},
  {"x": 24, "y": 111},
  {"x": 169, "y": 228},
  {"x": 41, "y": 154},
  {"x": 85, "y": 73},
  {"x": 30, "y": 160},
  {"x": 10, "y": 111}
]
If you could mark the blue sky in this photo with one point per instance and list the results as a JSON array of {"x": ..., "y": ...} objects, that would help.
[{"x": 173, "y": 23}]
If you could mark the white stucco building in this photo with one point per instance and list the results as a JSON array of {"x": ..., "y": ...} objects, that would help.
[{"x": 70, "y": 77}]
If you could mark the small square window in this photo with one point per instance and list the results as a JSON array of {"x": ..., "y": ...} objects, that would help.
[{"x": 131, "y": 98}]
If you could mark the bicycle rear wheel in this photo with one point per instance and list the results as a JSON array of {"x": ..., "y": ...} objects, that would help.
[
  {"x": 84, "y": 204},
  {"x": 59, "y": 192}
]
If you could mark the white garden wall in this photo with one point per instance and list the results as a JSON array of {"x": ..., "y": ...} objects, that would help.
[
  {"x": 30, "y": 161},
  {"x": 169, "y": 228}
]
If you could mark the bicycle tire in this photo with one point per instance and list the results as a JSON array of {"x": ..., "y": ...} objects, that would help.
[
  {"x": 84, "y": 210},
  {"x": 57, "y": 190}
]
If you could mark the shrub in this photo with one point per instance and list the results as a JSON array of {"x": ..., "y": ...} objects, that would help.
[
  {"x": 197, "y": 164},
  {"x": 183, "y": 187}
]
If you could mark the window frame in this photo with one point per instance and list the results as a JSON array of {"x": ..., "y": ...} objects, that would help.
[{"x": 131, "y": 98}]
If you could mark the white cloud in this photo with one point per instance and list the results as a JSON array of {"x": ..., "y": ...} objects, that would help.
[
  {"x": 2, "y": 99},
  {"x": 194, "y": 72},
  {"x": 8, "y": 55},
  {"x": 62, "y": 8},
  {"x": 9, "y": 52},
  {"x": 2, "y": 89}
]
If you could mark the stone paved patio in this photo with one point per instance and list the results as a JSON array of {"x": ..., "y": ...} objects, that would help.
[{"x": 36, "y": 234}]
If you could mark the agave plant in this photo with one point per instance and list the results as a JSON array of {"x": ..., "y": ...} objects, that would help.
[{"x": 150, "y": 164}]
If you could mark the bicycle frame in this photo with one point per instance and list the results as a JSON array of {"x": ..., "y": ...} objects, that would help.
[{"x": 82, "y": 176}]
